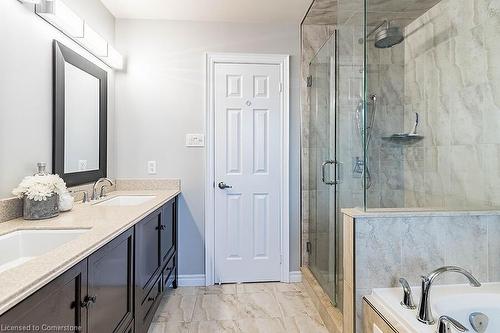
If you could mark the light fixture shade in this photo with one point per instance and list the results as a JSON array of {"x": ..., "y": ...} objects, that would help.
[
  {"x": 94, "y": 42},
  {"x": 114, "y": 58},
  {"x": 61, "y": 16}
]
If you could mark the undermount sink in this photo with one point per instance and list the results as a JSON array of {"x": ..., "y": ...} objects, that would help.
[
  {"x": 127, "y": 200},
  {"x": 18, "y": 247}
]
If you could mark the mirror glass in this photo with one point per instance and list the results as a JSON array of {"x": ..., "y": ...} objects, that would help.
[{"x": 81, "y": 104}]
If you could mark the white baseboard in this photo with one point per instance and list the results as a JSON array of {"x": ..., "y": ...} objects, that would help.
[
  {"x": 198, "y": 280},
  {"x": 295, "y": 276},
  {"x": 192, "y": 280}
]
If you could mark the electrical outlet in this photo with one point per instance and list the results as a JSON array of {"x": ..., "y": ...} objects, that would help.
[
  {"x": 152, "y": 167},
  {"x": 82, "y": 165},
  {"x": 195, "y": 140}
]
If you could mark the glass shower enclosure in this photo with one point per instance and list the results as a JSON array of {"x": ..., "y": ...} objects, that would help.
[{"x": 325, "y": 174}]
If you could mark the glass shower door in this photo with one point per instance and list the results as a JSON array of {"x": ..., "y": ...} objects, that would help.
[{"x": 323, "y": 221}]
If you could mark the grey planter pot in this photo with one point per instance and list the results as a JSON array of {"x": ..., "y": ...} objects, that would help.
[{"x": 40, "y": 210}]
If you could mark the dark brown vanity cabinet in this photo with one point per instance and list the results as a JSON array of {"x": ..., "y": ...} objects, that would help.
[
  {"x": 111, "y": 285},
  {"x": 59, "y": 304},
  {"x": 155, "y": 251},
  {"x": 116, "y": 289}
]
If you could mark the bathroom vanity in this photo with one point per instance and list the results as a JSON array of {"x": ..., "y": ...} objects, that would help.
[{"x": 111, "y": 278}]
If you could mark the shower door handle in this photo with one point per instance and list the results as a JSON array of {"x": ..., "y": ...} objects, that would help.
[{"x": 323, "y": 172}]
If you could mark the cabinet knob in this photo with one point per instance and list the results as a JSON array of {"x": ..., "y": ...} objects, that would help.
[
  {"x": 88, "y": 301},
  {"x": 151, "y": 299}
]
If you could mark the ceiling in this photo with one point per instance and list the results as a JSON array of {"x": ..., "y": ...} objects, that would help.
[{"x": 265, "y": 11}]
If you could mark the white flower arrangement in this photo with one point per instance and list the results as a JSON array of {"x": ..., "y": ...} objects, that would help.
[{"x": 40, "y": 187}]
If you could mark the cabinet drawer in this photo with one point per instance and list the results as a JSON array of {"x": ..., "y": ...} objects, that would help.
[
  {"x": 147, "y": 308},
  {"x": 147, "y": 249}
]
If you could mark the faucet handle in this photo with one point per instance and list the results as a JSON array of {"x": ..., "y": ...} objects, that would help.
[
  {"x": 445, "y": 322},
  {"x": 407, "y": 301}
]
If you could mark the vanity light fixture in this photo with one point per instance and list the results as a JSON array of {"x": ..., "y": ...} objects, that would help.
[
  {"x": 30, "y": 1},
  {"x": 61, "y": 16},
  {"x": 114, "y": 58},
  {"x": 92, "y": 41}
]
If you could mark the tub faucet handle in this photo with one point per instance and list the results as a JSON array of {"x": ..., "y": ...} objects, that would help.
[
  {"x": 407, "y": 301},
  {"x": 445, "y": 322}
]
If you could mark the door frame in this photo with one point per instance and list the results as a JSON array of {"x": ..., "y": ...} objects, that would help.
[{"x": 283, "y": 61}]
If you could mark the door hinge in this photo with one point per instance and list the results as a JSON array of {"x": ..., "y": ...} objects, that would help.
[
  {"x": 281, "y": 87},
  {"x": 309, "y": 81},
  {"x": 308, "y": 247},
  {"x": 281, "y": 259}
]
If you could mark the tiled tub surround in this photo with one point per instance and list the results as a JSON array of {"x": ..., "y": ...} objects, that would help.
[
  {"x": 104, "y": 223},
  {"x": 11, "y": 208},
  {"x": 386, "y": 246},
  {"x": 452, "y": 78}
]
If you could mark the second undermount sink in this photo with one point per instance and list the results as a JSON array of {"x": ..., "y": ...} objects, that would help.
[
  {"x": 20, "y": 246},
  {"x": 126, "y": 200}
]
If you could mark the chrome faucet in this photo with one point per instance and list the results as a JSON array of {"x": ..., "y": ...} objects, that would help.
[
  {"x": 95, "y": 196},
  {"x": 424, "y": 310},
  {"x": 407, "y": 301}
]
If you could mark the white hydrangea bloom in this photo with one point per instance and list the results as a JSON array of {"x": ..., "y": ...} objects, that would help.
[{"x": 39, "y": 187}]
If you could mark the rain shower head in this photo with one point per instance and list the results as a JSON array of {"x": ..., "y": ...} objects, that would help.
[{"x": 388, "y": 37}]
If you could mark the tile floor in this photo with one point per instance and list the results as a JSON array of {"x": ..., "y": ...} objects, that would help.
[{"x": 246, "y": 308}]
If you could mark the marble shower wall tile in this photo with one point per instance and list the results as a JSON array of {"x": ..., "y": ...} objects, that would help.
[{"x": 452, "y": 79}]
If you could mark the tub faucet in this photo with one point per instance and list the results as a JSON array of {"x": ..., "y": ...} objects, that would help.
[
  {"x": 424, "y": 309},
  {"x": 96, "y": 196}
]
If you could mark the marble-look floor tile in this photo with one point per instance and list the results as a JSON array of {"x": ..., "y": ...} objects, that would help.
[
  {"x": 216, "y": 307},
  {"x": 295, "y": 303},
  {"x": 168, "y": 327},
  {"x": 245, "y": 308},
  {"x": 258, "y": 305},
  {"x": 304, "y": 324},
  {"x": 213, "y": 326},
  {"x": 261, "y": 325},
  {"x": 176, "y": 308},
  {"x": 245, "y": 288}
]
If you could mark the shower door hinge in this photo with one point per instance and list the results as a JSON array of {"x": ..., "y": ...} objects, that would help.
[
  {"x": 308, "y": 247},
  {"x": 309, "y": 81}
]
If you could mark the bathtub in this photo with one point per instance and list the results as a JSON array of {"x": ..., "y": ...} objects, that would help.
[{"x": 457, "y": 301}]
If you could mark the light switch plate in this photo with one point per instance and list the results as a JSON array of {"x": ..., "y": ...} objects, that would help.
[{"x": 195, "y": 140}]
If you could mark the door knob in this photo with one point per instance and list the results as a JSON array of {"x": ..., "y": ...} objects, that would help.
[{"x": 223, "y": 186}]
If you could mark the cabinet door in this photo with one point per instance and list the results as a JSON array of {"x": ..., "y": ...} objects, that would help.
[
  {"x": 147, "y": 249},
  {"x": 167, "y": 239},
  {"x": 110, "y": 285},
  {"x": 58, "y": 304}
]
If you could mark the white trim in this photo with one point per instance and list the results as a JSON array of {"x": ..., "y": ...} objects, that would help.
[
  {"x": 193, "y": 280},
  {"x": 284, "y": 62},
  {"x": 295, "y": 277}
]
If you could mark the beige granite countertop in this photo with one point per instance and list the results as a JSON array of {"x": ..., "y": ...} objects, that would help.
[{"x": 104, "y": 224}]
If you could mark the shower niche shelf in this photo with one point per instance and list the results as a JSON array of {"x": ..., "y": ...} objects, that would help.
[{"x": 403, "y": 139}]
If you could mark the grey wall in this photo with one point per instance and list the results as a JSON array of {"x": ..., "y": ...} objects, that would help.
[
  {"x": 26, "y": 87},
  {"x": 161, "y": 98}
]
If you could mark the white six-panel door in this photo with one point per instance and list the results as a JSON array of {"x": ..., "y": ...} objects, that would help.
[{"x": 247, "y": 160}]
